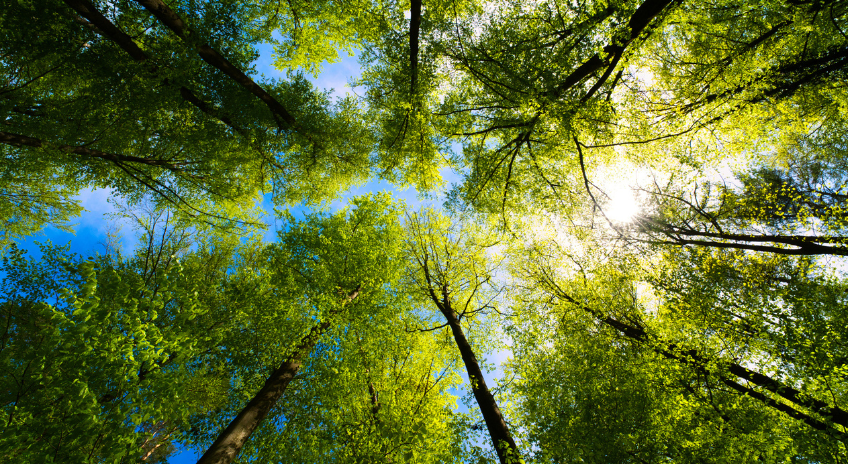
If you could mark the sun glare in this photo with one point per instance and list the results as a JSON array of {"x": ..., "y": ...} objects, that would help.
[
  {"x": 616, "y": 187},
  {"x": 622, "y": 205}
]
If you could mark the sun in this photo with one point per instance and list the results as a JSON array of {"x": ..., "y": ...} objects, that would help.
[{"x": 622, "y": 205}]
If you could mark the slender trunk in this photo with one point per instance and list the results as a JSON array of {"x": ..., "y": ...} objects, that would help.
[
  {"x": 414, "y": 26},
  {"x": 228, "y": 444},
  {"x": 499, "y": 432},
  {"x": 505, "y": 447},
  {"x": 172, "y": 20}
]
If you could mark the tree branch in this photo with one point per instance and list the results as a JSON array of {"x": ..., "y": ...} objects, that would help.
[{"x": 172, "y": 20}]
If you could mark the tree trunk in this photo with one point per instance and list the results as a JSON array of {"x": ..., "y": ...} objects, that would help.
[
  {"x": 414, "y": 26},
  {"x": 233, "y": 438},
  {"x": 501, "y": 439},
  {"x": 228, "y": 444}
]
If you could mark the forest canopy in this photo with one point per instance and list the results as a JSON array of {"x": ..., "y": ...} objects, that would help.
[{"x": 646, "y": 240}]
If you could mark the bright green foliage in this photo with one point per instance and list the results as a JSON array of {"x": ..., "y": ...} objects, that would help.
[
  {"x": 369, "y": 391},
  {"x": 96, "y": 352},
  {"x": 637, "y": 352},
  {"x": 514, "y": 83},
  {"x": 377, "y": 395},
  {"x": 783, "y": 312},
  {"x": 591, "y": 389},
  {"x": 113, "y": 350},
  {"x": 736, "y": 54},
  {"x": 461, "y": 256},
  {"x": 790, "y": 200},
  {"x": 308, "y": 34},
  {"x": 591, "y": 397},
  {"x": 403, "y": 102},
  {"x": 501, "y": 79}
]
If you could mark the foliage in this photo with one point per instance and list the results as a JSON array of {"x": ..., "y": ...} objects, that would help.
[
  {"x": 709, "y": 327},
  {"x": 380, "y": 397},
  {"x": 138, "y": 111},
  {"x": 95, "y": 352}
]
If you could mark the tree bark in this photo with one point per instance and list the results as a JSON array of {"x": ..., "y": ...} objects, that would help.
[{"x": 228, "y": 444}]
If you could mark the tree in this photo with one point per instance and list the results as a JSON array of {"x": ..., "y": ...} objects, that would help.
[
  {"x": 590, "y": 395},
  {"x": 203, "y": 321},
  {"x": 451, "y": 269},
  {"x": 708, "y": 328},
  {"x": 514, "y": 84},
  {"x": 95, "y": 350},
  {"x": 379, "y": 395},
  {"x": 508, "y": 94},
  {"x": 330, "y": 269},
  {"x": 704, "y": 328}
]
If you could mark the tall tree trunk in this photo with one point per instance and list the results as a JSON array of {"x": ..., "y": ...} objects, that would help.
[
  {"x": 499, "y": 432},
  {"x": 228, "y": 444},
  {"x": 414, "y": 26}
]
